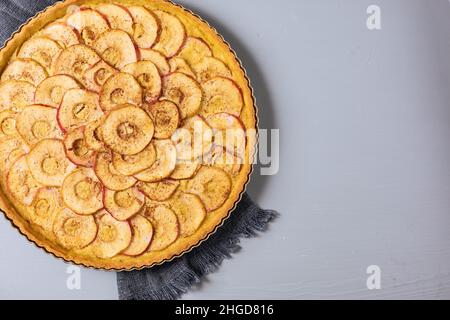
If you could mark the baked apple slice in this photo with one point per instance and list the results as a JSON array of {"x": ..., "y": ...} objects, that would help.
[
  {"x": 48, "y": 162},
  {"x": 166, "y": 118},
  {"x": 20, "y": 182},
  {"x": 221, "y": 158},
  {"x": 123, "y": 204},
  {"x": 221, "y": 95},
  {"x": 113, "y": 236},
  {"x": 92, "y": 135},
  {"x": 132, "y": 164},
  {"x": 142, "y": 231},
  {"x": 24, "y": 70},
  {"x": 95, "y": 77},
  {"x": 172, "y": 35},
  {"x": 157, "y": 58},
  {"x": 40, "y": 49},
  {"x": 76, "y": 148},
  {"x": 75, "y": 60},
  {"x": 8, "y": 124},
  {"x": 108, "y": 175},
  {"x": 73, "y": 231},
  {"x": 119, "y": 89},
  {"x": 147, "y": 74},
  {"x": 185, "y": 169},
  {"x": 16, "y": 95},
  {"x": 118, "y": 17},
  {"x": 209, "y": 68},
  {"x": 212, "y": 185},
  {"x": 45, "y": 206},
  {"x": 89, "y": 23},
  {"x": 190, "y": 212},
  {"x": 145, "y": 28},
  {"x": 194, "y": 50},
  {"x": 184, "y": 91},
  {"x": 127, "y": 130},
  {"x": 229, "y": 132},
  {"x": 50, "y": 92},
  {"x": 64, "y": 35},
  {"x": 166, "y": 159},
  {"x": 37, "y": 122},
  {"x": 165, "y": 227},
  {"x": 82, "y": 192},
  {"x": 159, "y": 191},
  {"x": 116, "y": 48},
  {"x": 178, "y": 64},
  {"x": 11, "y": 150}
]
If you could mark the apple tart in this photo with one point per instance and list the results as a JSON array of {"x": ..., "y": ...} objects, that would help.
[{"x": 126, "y": 131}]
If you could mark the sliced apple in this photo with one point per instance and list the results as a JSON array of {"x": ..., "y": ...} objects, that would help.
[
  {"x": 185, "y": 169},
  {"x": 172, "y": 34},
  {"x": 109, "y": 176},
  {"x": 11, "y": 149},
  {"x": 20, "y": 182},
  {"x": 127, "y": 130},
  {"x": 37, "y": 122},
  {"x": 119, "y": 89},
  {"x": 92, "y": 135},
  {"x": 229, "y": 132},
  {"x": 24, "y": 70},
  {"x": 209, "y": 68},
  {"x": 194, "y": 139},
  {"x": 178, "y": 64},
  {"x": 142, "y": 230},
  {"x": 82, "y": 192},
  {"x": 73, "y": 231},
  {"x": 75, "y": 60},
  {"x": 89, "y": 23},
  {"x": 76, "y": 148},
  {"x": 132, "y": 164},
  {"x": 118, "y": 17},
  {"x": 50, "y": 92},
  {"x": 165, "y": 227},
  {"x": 145, "y": 28},
  {"x": 41, "y": 49},
  {"x": 194, "y": 50},
  {"x": 190, "y": 212},
  {"x": 166, "y": 158},
  {"x": 64, "y": 35},
  {"x": 16, "y": 95},
  {"x": 123, "y": 204},
  {"x": 48, "y": 162},
  {"x": 95, "y": 77},
  {"x": 113, "y": 236},
  {"x": 166, "y": 118},
  {"x": 147, "y": 74},
  {"x": 184, "y": 91},
  {"x": 8, "y": 124},
  {"x": 221, "y": 95},
  {"x": 45, "y": 206},
  {"x": 78, "y": 108},
  {"x": 221, "y": 158},
  {"x": 157, "y": 58},
  {"x": 212, "y": 185},
  {"x": 116, "y": 48},
  {"x": 159, "y": 191}
]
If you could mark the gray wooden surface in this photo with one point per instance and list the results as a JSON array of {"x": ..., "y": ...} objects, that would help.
[{"x": 364, "y": 173}]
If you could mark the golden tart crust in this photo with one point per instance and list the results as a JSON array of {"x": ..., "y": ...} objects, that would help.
[{"x": 183, "y": 214}]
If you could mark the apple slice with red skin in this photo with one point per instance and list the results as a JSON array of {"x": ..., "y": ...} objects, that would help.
[
  {"x": 10, "y": 151},
  {"x": 78, "y": 108},
  {"x": 8, "y": 124},
  {"x": 166, "y": 118},
  {"x": 89, "y": 23},
  {"x": 37, "y": 122},
  {"x": 123, "y": 204},
  {"x": 172, "y": 35},
  {"x": 119, "y": 89},
  {"x": 24, "y": 70},
  {"x": 63, "y": 34},
  {"x": 145, "y": 28},
  {"x": 16, "y": 95},
  {"x": 108, "y": 175},
  {"x": 147, "y": 74},
  {"x": 158, "y": 191},
  {"x": 116, "y": 48},
  {"x": 76, "y": 148},
  {"x": 157, "y": 58},
  {"x": 82, "y": 192},
  {"x": 194, "y": 50},
  {"x": 118, "y": 17},
  {"x": 221, "y": 158},
  {"x": 132, "y": 164},
  {"x": 50, "y": 92},
  {"x": 142, "y": 231},
  {"x": 75, "y": 60},
  {"x": 184, "y": 91},
  {"x": 229, "y": 132},
  {"x": 95, "y": 77},
  {"x": 190, "y": 212},
  {"x": 221, "y": 95},
  {"x": 185, "y": 169},
  {"x": 209, "y": 68},
  {"x": 92, "y": 135},
  {"x": 41, "y": 49},
  {"x": 73, "y": 231},
  {"x": 20, "y": 182},
  {"x": 165, "y": 227},
  {"x": 112, "y": 238},
  {"x": 44, "y": 207},
  {"x": 166, "y": 159},
  {"x": 178, "y": 64}
]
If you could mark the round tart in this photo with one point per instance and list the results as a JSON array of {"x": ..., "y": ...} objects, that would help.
[{"x": 127, "y": 131}]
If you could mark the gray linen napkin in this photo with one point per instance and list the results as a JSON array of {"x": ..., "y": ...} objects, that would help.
[{"x": 172, "y": 279}]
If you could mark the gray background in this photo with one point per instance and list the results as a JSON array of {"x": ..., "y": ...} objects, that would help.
[{"x": 364, "y": 167}]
